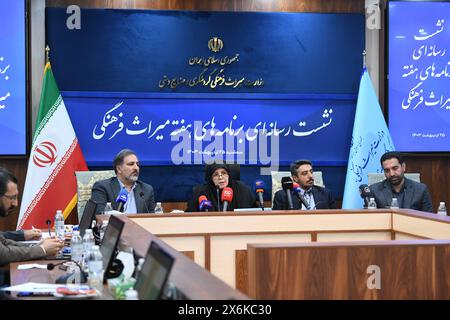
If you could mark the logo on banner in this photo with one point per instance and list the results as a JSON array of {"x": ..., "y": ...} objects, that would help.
[
  {"x": 45, "y": 154},
  {"x": 215, "y": 44}
]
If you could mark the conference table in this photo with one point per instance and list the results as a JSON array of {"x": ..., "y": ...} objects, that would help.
[
  {"x": 191, "y": 281},
  {"x": 320, "y": 254}
]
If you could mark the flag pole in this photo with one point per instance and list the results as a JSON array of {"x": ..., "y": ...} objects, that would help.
[
  {"x": 47, "y": 54},
  {"x": 363, "y": 54}
]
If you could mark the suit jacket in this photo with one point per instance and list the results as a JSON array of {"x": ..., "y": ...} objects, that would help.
[
  {"x": 322, "y": 198},
  {"x": 12, "y": 251},
  {"x": 107, "y": 190},
  {"x": 18, "y": 235},
  {"x": 416, "y": 196}
]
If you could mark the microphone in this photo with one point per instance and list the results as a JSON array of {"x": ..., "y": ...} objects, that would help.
[
  {"x": 365, "y": 193},
  {"x": 227, "y": 197},
  {"x": 218, "y": 198},
  {"x": 145, "y": 204},
  {"x": 286, "y": 183},
  {"x": 49, "y": 224},
  {"x": 204, "y": 204},
  {"x": 69, "y": 276},
  {"x": 122, "y": 198},
  {"x": 300, "y": 196},
  {"x": 259, "y": 187}
]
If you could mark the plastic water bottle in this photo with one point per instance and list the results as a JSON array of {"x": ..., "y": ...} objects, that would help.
[
  {"x": 442, "y": 209},
  {"x": 394, "y": 203},
  {"x": 138, "y": 268},
  {"x": 131, "y": 294},
  {"x": 159, "y": 208},
  {"x": 102, "y": 229},
  {"x": 108, "y": 208},
  {"x": 59, "y": 225},
  {"x": 372, "y": 204},
  {"x": 95, "y": 269},
  {"x": 88, "y": 243},
  {"x": 76, "y": 245}
]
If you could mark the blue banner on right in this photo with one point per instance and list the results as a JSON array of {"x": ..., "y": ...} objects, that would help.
[{"x": 370, "y": 140}]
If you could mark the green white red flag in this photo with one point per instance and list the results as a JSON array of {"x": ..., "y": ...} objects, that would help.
[{"x": 50, "y": 183}]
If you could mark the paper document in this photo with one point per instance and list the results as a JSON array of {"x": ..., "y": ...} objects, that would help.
[
  {"x": 44, "y": 287},
  {"x": 31, "y": 266}
]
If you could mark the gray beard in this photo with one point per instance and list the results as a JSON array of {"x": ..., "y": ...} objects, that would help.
[{"x": 133, "y": 178}]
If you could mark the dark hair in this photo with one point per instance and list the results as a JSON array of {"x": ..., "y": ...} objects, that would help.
[
  {"x": 118, "y": 159},
  {"x": 390, "y": 155},
  {"x": 5, "y": 177},
  {"x": 296, "y": 164}
]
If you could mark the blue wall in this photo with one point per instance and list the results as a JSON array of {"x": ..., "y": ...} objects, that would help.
[{"x": 124, "y": 53}]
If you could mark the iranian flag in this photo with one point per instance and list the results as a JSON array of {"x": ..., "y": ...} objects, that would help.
[{"x": 50, "y": 184}]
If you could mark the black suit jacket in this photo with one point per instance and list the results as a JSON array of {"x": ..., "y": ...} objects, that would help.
[
  {"x": 107, "y": 190},
  {"x": 322, "y": 198},
  {"x": 416, "y": 197}
]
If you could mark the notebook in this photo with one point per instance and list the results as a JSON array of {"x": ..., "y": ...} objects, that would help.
[
  {"x": 87, "y": 217},
  {"x": 154, "y": 273}
]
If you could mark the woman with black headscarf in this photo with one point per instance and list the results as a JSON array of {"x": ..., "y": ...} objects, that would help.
[{"x": 217, "y": 177}]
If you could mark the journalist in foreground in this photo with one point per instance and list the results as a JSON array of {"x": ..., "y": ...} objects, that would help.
[
  {"x": 221, "y": 192},
  {"x": 303, "y": 194},
  {"x": 10, "y": 250},
  {"x": 410, "y": 194},
  {"x": 125, "y": 192}
]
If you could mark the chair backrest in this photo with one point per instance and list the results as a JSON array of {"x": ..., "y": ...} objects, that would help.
[
  {"x": 378, "y": 177},
  {"x": 85, "y": 181},
  {"x": 277, "y": 175}
]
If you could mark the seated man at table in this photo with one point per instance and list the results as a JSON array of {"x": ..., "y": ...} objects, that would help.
[
  {"x": 22, "y": 235},
  {"x": 217, "y": 177},
  {"x": 316, "y": 197},
  {"x": 410, "y": 194},
  {"x": 140, "y": 195},
  {"x": 12, "y": 251}
]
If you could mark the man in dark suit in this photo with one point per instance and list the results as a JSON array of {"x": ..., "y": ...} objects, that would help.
[
  {"x": 12, "y": 251},
  {"x": 316, "y": 197},
  {"x": 410, "y": 194},
  {"x": 141, "y": 198}
]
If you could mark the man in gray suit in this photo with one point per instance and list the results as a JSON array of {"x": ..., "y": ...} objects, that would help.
[
  {"x": 12, "y": 251},
  {"x": 410, "y": 194},
  {"x": 141, "y": 198}
]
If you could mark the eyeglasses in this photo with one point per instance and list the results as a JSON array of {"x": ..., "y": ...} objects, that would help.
[
  {"x": 219, "y": 174},
  {"x": 12, "y": 198}
]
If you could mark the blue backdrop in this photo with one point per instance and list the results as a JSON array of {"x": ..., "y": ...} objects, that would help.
[{"x": 133, "y": 78}]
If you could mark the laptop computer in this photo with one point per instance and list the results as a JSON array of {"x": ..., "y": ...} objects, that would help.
[
  {"x": 109, "y": 244},
  {"x": 87, "y": 217},
  {"x": 154, "y": 273}
]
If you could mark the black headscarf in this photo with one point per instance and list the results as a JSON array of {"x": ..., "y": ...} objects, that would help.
[{"x": 242, "y": 195}]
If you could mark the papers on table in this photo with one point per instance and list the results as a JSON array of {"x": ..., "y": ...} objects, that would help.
[
  {"x": 31, "y": 266},
  {"x": 43, "y": 287}
]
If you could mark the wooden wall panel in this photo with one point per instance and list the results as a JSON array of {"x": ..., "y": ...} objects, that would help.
[
  {"x": 221, "y": 5},
  {"x": 415, "y": 271},
  {"x": 241, "y": 267}
]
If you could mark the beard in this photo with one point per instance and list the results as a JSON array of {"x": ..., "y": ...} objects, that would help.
[
  {"x": 133, "y": 177},
  {"x": 395, "y": 181},
  {"x": 3, "y": 211}
]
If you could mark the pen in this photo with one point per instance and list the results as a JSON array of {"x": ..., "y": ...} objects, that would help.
[{"x": 49, "y": 223}]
